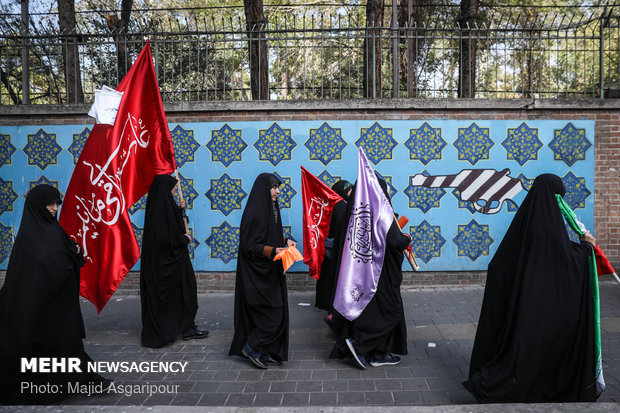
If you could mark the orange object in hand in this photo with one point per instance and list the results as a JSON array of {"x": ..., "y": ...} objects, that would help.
[
  {"x": 288, "y": 256},
  {"x": 402, "y": 221}
]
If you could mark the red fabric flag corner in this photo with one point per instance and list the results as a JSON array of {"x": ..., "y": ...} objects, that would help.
[
  {"x": 318, "y": 203},
  {"x": 603, "y": 266},
  {"x": 115, "y": 169}
]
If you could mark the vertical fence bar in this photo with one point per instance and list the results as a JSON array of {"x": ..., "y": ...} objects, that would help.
[
  {"x": 601, "y": 55},
  {"x": 25, "y": 53},
  {"x": 395, "y": 54}
]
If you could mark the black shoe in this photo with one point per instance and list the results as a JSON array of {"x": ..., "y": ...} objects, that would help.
[
  {"x": 254, "y": 356},
  {"x": 195, "y": 334},
  {"x": 268, "y": 359}
]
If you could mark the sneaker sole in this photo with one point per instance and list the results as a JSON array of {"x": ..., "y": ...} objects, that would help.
[
  {"x": 390, "y": 363},
  {"x": 354, "y": 353}
]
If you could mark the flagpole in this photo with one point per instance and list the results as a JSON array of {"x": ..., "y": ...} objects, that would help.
[
  {"x": 180, "y": 192},
  {"x": 408, "y": 254}
]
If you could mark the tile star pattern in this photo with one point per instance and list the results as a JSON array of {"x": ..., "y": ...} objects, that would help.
[
  {"x": 287, "y": 231},
  {"x": 522, "y": 144},
  {"x": 138, "y": 232},
  {"x": 426, "y": 241},
  {"x": 42, "y": 180},
  {"x": 422, "y": 197},
  {"x": 328, "y": 179},
  {"x": 79, "y": 140},
  {"x": 569, "y": 144},
  {"x": 526, "y": 182},
  {"x": 193, "y": 244},
  {"x": 7, "y": 196},
  {"x": 6, "y": 242},
  {"x": 226, "y": 194},
  {"x": 274, "y": 144},
  {"x": 140, "y": 204},
  {"x": 377, "y": 142},
  {"x": 223, "y": 241},
  {"x": 325, "y": 144},
  {"x": 576, "y": 191},
  {"x": 425, "y": 143},
  {"x": 42, "y": 149},
  {"x": 473, "y": 240},
  {"x": 189, "y": 193},
  {"x": 287, "y": 193},
  {"x": 468, "y": 205},
  {"x": 473, "y": 143},
  {"x": 511, "y": 206},
  {"x": 185, "y": 146},
  {"x": 6, "y": 150},
  {"x": 391, "y": 190},
  {"x": 226, "y": 145}
]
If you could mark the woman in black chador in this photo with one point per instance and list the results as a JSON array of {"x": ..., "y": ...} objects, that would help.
[
  {"x": 39, "y": 303},
  {"x": 326, "y": 284},
  {"x": 535, "y": 338},
  {"x": 168, "y": 290},
  {"x": 261, "y": 301},
  {"x": 379, "y": 335}
]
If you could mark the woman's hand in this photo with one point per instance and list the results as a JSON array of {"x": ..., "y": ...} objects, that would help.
[
  {"x": 291, "y": 243},
  {"x": 279, "y": 250},
  {"x": 587, "y": 237},
  {"x": 182, "y": 204}
]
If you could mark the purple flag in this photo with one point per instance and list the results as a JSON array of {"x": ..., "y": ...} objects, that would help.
[{"x": 364, "y": 246}]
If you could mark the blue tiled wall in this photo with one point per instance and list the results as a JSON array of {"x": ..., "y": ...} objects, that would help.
[{"x": 219, "y": 161}]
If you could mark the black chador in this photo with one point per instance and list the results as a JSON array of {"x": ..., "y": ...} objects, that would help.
[
  {"x": 261, "y": 302},
  {"x": 326, "y": 284},
  {"x": 535, "y": 335},
  {"x": 39, "y": 303},
  {"x": 167, "y": 281},
  {"x": 381, "y": 330}
]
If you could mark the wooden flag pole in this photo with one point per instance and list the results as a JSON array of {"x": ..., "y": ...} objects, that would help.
[
  {"x": 180, "y": 192},
  {"x": 408, "y": 254}
]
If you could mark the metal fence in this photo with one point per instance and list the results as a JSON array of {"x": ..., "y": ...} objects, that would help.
[{"x": 326, "y": 57}]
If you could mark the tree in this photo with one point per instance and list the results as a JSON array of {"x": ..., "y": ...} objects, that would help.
[
  {"x": 119, "y": 31},
  {"x": 468, "y": 48},
  {"x": 372, "y": 49},
  {"x": 73, "y": 78},
  {"x": 256, "y": 23}
]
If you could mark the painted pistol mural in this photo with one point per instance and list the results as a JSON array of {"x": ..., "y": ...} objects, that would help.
[{"x": 487, "y": 189}]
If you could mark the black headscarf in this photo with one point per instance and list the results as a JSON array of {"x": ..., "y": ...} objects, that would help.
[
  {"x": 261, "y": 302},
  {"x": 534, "y": 341},
  {"x": 39, "y": 301},
  {"x": 167, "y": 279},
  {"x": 341, "y": 187}
]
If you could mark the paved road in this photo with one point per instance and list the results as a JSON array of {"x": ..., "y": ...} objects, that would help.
[{"x": 441, "y": 328}]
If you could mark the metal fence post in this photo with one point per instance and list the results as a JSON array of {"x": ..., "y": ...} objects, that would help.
[{"x": 25, "y": 53}]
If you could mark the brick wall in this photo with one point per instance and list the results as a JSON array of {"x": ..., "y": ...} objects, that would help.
[{"x": 605, "y": 114}]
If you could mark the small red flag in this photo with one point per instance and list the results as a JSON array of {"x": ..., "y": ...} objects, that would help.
[
  {"x": 115, "y": 169},
  {"x": 603, "y": 266},
  {"x": 318, "y": 203}
]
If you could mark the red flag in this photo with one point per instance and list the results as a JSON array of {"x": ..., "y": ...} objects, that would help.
[
  {"x": 318, "y": 203},
  {"x": 115, "y": 169},
  {"x": 603, "y": 266}
]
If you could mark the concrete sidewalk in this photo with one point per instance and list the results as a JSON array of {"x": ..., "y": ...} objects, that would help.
[{"x": 441, "y": 328}]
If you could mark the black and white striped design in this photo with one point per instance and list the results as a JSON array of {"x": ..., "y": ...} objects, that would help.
[{"x": 486, "y": 188}]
